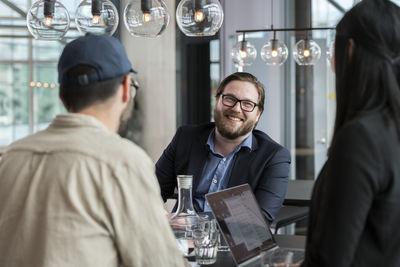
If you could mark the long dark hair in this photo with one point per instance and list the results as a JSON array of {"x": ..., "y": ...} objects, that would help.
[{"x": 368, "y": 79}]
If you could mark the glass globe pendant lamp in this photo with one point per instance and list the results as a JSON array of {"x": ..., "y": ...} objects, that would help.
[
  {"x": 199, "y": 17},
  {"x": 48, "y": 20},
  {"x": 330, "y": 52},
  {"x": 146, "y": 18},
  {"x": 97, "y": 17},
  {"x": 243, "y": 53},
  {"x": 306, "y": 52},
  {"x": 274, "y": 52}
]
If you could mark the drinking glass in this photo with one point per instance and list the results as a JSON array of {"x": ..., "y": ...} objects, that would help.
[
  {"x": 277, "y": 259},
  {"x": 205, "y": 238}
]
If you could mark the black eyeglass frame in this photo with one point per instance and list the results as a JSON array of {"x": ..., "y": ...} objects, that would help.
[
  {"x": 134, "y": 86},
  {"x": 238, "y": 100}
]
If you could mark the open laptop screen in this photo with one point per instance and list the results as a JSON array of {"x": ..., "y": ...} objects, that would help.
[{"x": 241, "y": 221}]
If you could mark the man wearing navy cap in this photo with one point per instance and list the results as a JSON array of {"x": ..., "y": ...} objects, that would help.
[{"x": 77, "y": 194}]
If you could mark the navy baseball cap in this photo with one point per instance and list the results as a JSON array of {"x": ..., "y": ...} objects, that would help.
[{"x": 102, "y": 52}]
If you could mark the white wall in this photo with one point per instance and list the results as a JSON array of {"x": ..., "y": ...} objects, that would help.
[{"x": 154, "y": 60}]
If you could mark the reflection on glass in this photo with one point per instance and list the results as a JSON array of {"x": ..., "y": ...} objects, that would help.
[
  {"x": 214, "y": 50},
  {"x": 47, "y": 104},
  {"x": 14, "y": 102}
]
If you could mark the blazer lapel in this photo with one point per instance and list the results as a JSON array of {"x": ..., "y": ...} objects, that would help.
[{"x": 240, "y": 170}]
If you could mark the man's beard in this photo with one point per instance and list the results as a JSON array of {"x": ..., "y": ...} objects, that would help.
[
  {"x": 124, "y": 118},
  {"x": 226, "y": 131}
]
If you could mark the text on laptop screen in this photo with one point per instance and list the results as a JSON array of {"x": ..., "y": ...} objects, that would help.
[{"x": 241, "y": 221}]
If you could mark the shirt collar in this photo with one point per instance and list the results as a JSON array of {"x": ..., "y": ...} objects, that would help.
[
  {"x": 248, "y": 142},
  {"x": 77, "y": 120}
]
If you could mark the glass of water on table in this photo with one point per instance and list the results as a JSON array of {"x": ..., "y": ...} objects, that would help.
[{"x": 205, "y": 238}]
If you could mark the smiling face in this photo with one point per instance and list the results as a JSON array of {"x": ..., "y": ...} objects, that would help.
[{"x": 233, "y": 122}]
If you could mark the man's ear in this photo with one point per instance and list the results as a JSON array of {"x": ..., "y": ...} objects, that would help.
[{"x": 126, "y": 86}]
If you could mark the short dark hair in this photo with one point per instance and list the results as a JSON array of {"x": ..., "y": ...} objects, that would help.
[
  {"x": 246, "y": 77},
  {"x": 369, "y": 79},
  {"x": 78, "y": 97}
]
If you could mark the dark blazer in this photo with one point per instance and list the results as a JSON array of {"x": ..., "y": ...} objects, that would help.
[
  {"x": 265, "y": 167},
  {"x": 355, "y": 209}
]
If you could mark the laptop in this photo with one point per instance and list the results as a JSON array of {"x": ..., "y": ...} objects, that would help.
[{"x": 244, "y": 227}]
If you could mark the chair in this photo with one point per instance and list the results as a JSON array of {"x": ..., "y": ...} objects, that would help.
[{"x": 288, "y": 215}]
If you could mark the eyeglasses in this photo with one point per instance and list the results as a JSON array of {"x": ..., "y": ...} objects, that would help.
[
  {"x": 134, "y": 87},
  {"x": 245, "y": 105}
]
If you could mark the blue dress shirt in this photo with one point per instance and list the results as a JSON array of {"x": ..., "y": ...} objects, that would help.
[{"x": 216, "y": 171}]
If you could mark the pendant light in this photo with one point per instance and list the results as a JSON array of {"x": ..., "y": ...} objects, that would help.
[
  {"x": 48, "y": 20},
  {"x": 199, "y": 17},
  {"x": 306, "y": 52},
  {"x": 97, "y": 17},
  {"x": 243, "y": 53},
  {"x": 146, "y": 18},
  {"x": 330, "y": 52},
  {"x": 274, "y": 52}
]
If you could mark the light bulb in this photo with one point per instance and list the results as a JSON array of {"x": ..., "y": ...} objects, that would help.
[
  {"x": 146, "y": 18},
  {"x": 243, "y": 53},
  {"x": 274, "y": 53},
  {"x": 48, "y": 20},
  {"x": 97, "y": 17},
  {"x": 199, "y": 17},
  {"x": 306, "y": 52}
]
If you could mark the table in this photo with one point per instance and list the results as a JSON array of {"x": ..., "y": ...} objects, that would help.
[
  {"x": 299, "y": 193},
  {"x": 224, "y": 259}
]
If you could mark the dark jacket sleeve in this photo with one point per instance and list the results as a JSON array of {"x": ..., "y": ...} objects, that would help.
[
  {"x": 342, "y": 200},
  {"x": 165, "y": 168},
  {"x": 271, "y": 188}
]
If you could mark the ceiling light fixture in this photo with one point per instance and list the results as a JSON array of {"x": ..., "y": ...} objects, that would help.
[
  {"x": 306, "y": 52},
  {"x": 243, "y": 53},
  {"x": 48, "y": 20},
  {"x": 146, "y": 18},
  {"x": 199, "y": 17},
  {"x": 274, "y": 52},
  {"x": 97, "y": 17}
]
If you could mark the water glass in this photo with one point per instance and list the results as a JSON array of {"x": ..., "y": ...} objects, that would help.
[
  {"x": 205, "y": 238},
  {"x": 277, "y": 259},
  {"x": 222, "y": 245}
]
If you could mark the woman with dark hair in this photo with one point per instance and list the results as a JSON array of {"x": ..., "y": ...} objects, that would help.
[{"x": 355, "y": 212}]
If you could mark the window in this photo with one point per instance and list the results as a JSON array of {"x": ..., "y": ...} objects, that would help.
[
  {"x": 300, "y": 101},
  {"x": 214, "y": 72},
  {"x": 28, "y": 81}
]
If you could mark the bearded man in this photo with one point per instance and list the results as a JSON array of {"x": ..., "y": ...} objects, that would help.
[{"x": 229, "y": 152}]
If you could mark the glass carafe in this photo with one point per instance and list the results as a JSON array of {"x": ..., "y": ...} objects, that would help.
[{"x": 185, "y": 218}]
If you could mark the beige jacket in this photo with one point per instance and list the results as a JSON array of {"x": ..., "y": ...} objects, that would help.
[{"x": 77, "y": 195}]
